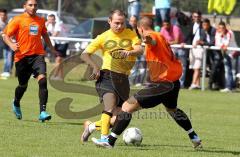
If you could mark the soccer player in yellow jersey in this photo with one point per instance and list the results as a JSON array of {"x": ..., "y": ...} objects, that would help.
[{"x": 119, "y": 46}]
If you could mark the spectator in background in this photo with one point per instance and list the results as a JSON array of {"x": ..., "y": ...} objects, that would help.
[
  {"x": 195, "y": 26},
  {"x": 195, "y": 54},
  {"x": 222, "y": 39},
  {"x": 132, "y": 24},
  {"x": 235, "y": 56},
  {"x": 207, "y": 37},
  {"x": 7, "y": 52},
  {"x": 134, "y": 8},
  {"x": 174, "y": 35},
  {"x": 54, "y": 30},
  {"x": 138, "y": 72},
  {"x": 162, "y": 11}
]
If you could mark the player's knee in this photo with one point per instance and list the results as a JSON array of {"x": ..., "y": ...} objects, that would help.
[
  {"x": 40, "y": 77},
  {"x": 43, "y": 83},
  {"x": 109, "y": 101},
  {"x": 112, "y": 121}
]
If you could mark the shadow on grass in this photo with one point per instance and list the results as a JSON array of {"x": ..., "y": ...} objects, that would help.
[
  {"x": 64, "y": 123},
  {"x": 154, "y": 147},
  {"x": 220, "y": 151},
  {"x": 53, "y": 123},
  {"x": 151, "y": 147}
]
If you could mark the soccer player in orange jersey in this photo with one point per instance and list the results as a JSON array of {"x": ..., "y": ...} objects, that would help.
[
  {"x": 27, "y": 29},
  {"x": 165, "y": 71}
]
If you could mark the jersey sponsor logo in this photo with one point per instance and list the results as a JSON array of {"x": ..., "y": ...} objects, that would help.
[
  {"x": 33, "y": 30},
  {"x": 111, "y": 44}
]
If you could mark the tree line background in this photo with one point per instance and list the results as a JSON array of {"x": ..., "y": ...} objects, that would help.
[{"x": 96, "y": 8}]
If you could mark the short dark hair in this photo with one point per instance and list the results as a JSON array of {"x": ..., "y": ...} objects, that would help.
[
  {"x": 3, "y": 10},
  {"x": 51, "y": 15},
  {"x": 198, "y": 12},
  {"x": 206, "y": 21},
  {"x": 118, "y": 12},
  {"x": 134, "y": 17},
  {"x": 222, "y": 23},
  {"x": 25, "y": 2},
  {"x": 167, "y": 21}
]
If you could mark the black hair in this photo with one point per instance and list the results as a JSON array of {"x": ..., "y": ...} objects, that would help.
[
  {"x": 25, "y": 2},
  {"x": 198, "y": 12},
  {"x": 222, "y": 23},
  {"x": 51, "y": 15},
  {"x": 206, "y": 21},
  {"x": 166, "y": 21},
  {"x": 3, "y": 10}
]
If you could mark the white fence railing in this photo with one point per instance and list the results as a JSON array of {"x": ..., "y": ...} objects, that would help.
[{"x": 173, "y": 46}]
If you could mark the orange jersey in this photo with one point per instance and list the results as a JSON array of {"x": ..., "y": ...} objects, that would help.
[
  {"x": 162, "y": 64},
  {"x": 27, "y": 31}
]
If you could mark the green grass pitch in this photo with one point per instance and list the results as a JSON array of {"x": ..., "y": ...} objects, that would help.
[{"x": 215, "y": 117}]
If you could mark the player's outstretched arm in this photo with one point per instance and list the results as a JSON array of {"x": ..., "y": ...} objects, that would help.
[{"x": 137, "y": 51}]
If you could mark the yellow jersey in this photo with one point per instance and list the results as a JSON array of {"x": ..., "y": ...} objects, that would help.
[{"x": 110, "y": 43}]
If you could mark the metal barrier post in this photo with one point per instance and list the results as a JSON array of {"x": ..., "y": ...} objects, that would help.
[{"x": 204, "y": 68}]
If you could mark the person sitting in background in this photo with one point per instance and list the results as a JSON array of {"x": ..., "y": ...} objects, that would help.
[
  {"x": 54, "y": 30},
  {"x": 173, "y": 34},
  {"x": 222, "y": 39},
  {"x": 7, "y": 52}
]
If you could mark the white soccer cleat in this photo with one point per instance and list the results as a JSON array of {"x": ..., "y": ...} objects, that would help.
[
  {"x": 197, "y": 143},
  {"x": 86, "y": 132}
]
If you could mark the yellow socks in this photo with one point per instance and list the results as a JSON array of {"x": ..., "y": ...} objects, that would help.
[
  {"x": 105, "y": 121},
  {"x": 98, "y": 125}
]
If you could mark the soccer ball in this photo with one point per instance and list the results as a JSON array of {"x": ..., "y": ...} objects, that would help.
[{"x": 132, "y": 136}]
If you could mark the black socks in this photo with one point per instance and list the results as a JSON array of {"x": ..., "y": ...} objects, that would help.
[
  {"x": 43, "y": 94},
  {"x": 122, "y": 121},
  {"x": 19, "y": 91},
  {"x": 182, "y": 119}
]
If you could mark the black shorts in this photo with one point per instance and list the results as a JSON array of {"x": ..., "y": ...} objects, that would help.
[
  {"x": 62, "y": 49},
  {"x": 157, "y": 93},
  {"x": 112, "y": 82},
  {"x": 29, "y": 65}
]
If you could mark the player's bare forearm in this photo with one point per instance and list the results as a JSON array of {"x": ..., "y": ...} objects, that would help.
[
  {"x": 10, "y": 43},
  {"x": 48, "y": 41},
  {"x": 137, "y": 51},
  {"x": 87, "y": 59},
  {"x": 96, "y": 70},
  {"x": 49, "y": 44}
]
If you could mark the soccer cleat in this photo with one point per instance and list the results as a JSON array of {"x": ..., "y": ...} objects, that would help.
[
  {"x": 103, "y": 142},
  {"x": 17, "y": 111},
  {"x": 86, "y": 132},
  {"x": 44, "y": 116},
  {"x": 196, "y": 142}
]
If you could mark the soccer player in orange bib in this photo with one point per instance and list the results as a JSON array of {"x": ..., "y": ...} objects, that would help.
[
  {"x": 27, "y": 29},
  {"x": 165, "y": 71}
]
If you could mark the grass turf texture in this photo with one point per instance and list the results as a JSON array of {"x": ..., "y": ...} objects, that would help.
[{"x": 215, "y": 117}]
